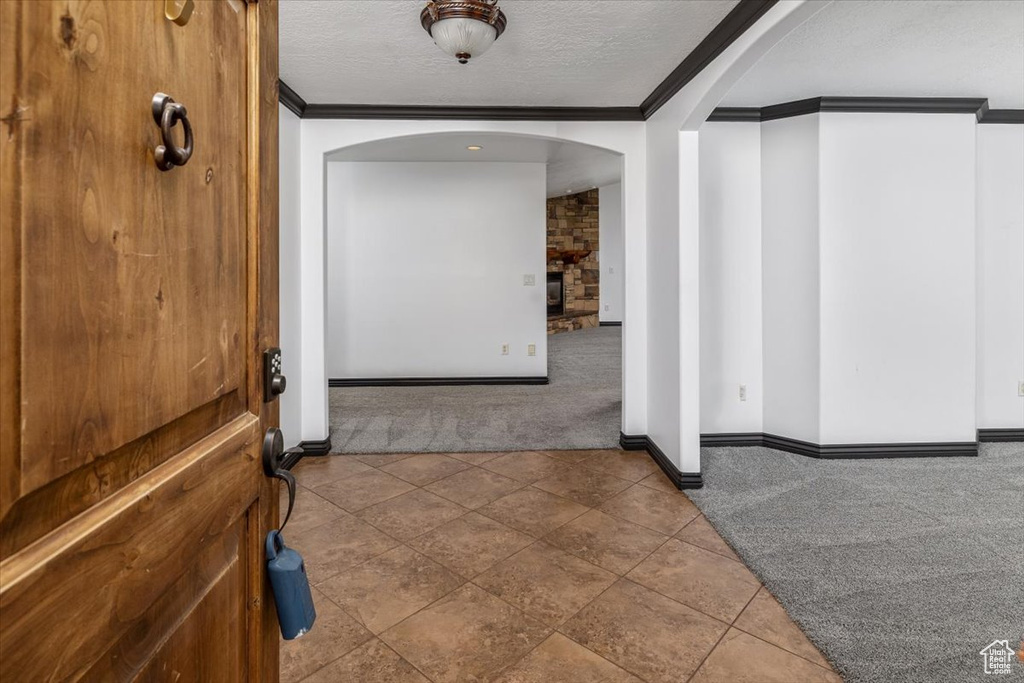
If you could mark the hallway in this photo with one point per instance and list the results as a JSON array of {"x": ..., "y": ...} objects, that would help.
[
  {"x": 579, "y": 408},
  {"x": 526, "y": 567}
]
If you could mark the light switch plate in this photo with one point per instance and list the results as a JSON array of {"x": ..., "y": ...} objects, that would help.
[
  {"x": 529, "y": 280},
  {"x": 531, "y": 350}
]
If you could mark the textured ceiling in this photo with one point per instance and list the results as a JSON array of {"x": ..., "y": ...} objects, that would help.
[
  {"x": 865, "y": 48},
  {"x": 572, "y": 167},
  {"x": 553, "y": 53}
]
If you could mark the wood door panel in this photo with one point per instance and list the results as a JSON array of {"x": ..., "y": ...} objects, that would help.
[
  {"x": 134, "y": 279},
  {"x": 209, "y": 645},
  {"x": 134, "y": 308},
  {"x": 44, "y": 509},
  {"x": 132, "y": 566}
]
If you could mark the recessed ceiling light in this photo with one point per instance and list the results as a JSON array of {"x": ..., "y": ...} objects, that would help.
[{"x": 474, "y": 148}]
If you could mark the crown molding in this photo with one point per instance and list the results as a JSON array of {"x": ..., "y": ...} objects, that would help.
[
  {"x": 291, "y": 99},
  {"x": 401, "y": 111},
  {"x": 873, "y": 105},
  {"x": 731, "y": 27},
  {"x": 1002, "y": 116},
  {"x": 739, "y": 19}
]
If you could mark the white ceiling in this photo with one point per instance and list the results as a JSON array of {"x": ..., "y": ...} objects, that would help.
[
  {"x": 572, "y": 167},
  {"x": 553, "y": 53},
  {"x": 864, "y": 48}
]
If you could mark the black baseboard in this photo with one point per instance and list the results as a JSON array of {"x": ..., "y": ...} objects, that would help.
[
  {"x": 433, "y": 381},
  {"x": 311, "y": 448},
  {"x": 610, "y": 323},
  {"x": 1000, "y": 435},
  {"x": 628, "y": 442},
  {"x": 321, "y": 447},
  {"x": 642, "y": 442},
  {"x": 843, "y": 451}
]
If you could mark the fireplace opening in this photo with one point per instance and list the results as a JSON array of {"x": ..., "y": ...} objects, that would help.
[{"x": 556, "y": 294}]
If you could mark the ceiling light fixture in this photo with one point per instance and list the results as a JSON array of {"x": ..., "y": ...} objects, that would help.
[
  {"x": 463, "y": 28},
  {"x": 474, "y": 148}
]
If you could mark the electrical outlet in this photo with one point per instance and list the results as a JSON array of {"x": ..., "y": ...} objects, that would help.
[
  {"x": 606, "y": 307},
  {"x": 611, "y": 271},
  {"x": 1020, "y": 388},
  {"x": 531, "y": 350},
  {"x": 504, "y": 349},
  {"x": 743, "y": 392},
  {"x": 529, "y": 280}
]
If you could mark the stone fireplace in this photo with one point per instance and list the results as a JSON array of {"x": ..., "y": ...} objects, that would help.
[{"x": 573, "y": 256}]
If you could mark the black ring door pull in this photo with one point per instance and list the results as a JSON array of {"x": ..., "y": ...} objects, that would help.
[{"x": 166, "y": 113}]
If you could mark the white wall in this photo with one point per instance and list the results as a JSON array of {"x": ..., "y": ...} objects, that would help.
[
  {"x": 289, "y": 275},
  {"x": 611, "y": 285},
  {"x": 321, "y": 137},
  {"x": 730, "y": 277},
  {"x": 897, "y": 277},
  {"x": 789, "y": 237},
  {"x": 673, "y": 248},
  {"x": 1000, "y": 252},
  {"x": 426, "y": 265}
]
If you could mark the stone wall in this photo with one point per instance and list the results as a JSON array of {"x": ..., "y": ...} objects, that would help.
[{"x": 573, "y": 231}]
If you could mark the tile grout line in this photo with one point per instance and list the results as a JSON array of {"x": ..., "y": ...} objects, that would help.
[
  {"x": 722, "y": 637},
  {"x": 535, "y": 541}
]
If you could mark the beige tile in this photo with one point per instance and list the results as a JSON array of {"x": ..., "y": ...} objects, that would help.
[
  {"x": 476, "y": 458},
  {"x": 574, "y": 457},
  {"x": 425, "y": 468},
  {"x": 545, "y": 582},
  {"x": 645, "y": 633},
  {"x": 700, "y": 532},
  {"x": 411, "y": 514},
  {"x": 765, "y": 618},
  {"x": 666, "y": 513},
  {"x": 381, "y": 459},
  {"x": 314, "y": 471},
  {"x": 608, "y": 542},
  {"x": 560, "y": 660},
  {"x": 525, "y": 466},
  {"x": 534, "y": 511},
  {"x": 470, "y": 544},
  {"x": 334, "y": 634},
  {"x": 373, "y": 662},
  {"x": 470, "y": 635},
  {"x": 741, "y": 658},
  {"x": 630, "y": 465},
  {"x": 660, "y": 481},
  {"x": 310, "y": 510},
  {"x": 584, "y": 485},
  {"x": 381, "y": 592},
  {"x": 474, "y": 487},
  {"x": 363, "y": 490},
  {"x": 338, "y": 545},
  {"x": 699, "y": 578}
]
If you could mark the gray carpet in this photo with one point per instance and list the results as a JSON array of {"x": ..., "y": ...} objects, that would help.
[
  {"x": 580, "y": 408},
  {"x": 899, "y": 570}
]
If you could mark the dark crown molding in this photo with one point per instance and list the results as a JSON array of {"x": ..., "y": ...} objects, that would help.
[
  {"x": 291, "y": 99},
  {"x": 739, "y": 19},
  {"x": 399, "y": 111},
  {"x": 874, "y": 105},
  {"x": 1002, "y": 116}
]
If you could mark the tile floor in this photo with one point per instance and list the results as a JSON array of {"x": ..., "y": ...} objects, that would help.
[{"x": 540, "y": 567}]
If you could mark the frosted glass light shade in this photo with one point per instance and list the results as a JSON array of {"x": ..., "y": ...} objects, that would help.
[{"x": 462, "y": 37}]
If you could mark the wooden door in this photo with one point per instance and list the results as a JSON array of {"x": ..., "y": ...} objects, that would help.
[{"x": 136, "y": 304}]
